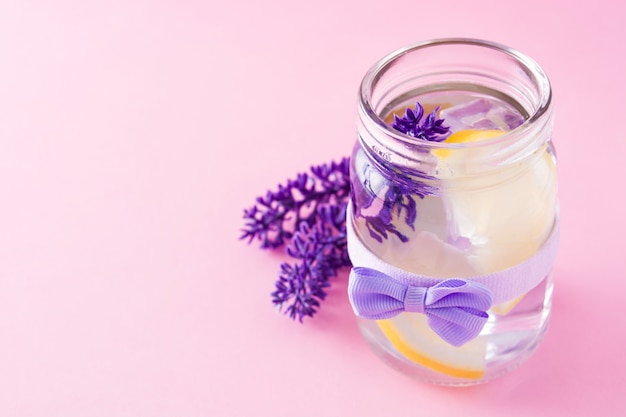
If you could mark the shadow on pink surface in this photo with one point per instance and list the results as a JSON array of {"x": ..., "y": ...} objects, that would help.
[
  {"x": 335, "y": 315},
  {"x": 579, "y": 369}
]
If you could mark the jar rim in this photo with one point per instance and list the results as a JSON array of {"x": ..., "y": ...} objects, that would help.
[{"x": 530, "y": 65}]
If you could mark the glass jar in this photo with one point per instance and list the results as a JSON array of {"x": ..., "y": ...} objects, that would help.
[{"x": 453, "y": 238}]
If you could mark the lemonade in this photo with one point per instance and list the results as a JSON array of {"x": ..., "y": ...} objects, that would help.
[{"x": 463, "y": 207}]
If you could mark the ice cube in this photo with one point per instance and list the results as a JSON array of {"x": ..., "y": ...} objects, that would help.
[{"x": 481, "y": 114}]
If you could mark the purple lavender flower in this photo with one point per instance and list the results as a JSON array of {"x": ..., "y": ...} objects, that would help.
[
  {"x": 308, "y": 213},
  {"x": 402, "y": 186},
  {"x": 320, "y": 251},
  {"x": 277, "y": 215},
  {"x": 402, "y": 189},
  {"x": 430, "y": 129},
  {"x": 379, "y": 229}
]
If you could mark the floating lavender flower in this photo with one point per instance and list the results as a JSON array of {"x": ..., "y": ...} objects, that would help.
[
  {"x": 404, "y": 186},
  {"x": 430, "y": 129}
]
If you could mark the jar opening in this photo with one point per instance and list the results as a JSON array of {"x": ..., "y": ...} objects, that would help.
[{"x": 454, "y": 64}]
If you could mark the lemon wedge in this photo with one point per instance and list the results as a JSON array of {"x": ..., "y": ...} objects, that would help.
[
  {"x": 508, "y": 220},
  {"x": 411, "y": 336},
  {"x": 466, "y": 136},
  {"x": 505, "y": 308},
  {"x": 508, "y": 215}
]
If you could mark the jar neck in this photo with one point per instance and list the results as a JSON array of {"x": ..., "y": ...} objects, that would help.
[{"x": 454, "y": 65}]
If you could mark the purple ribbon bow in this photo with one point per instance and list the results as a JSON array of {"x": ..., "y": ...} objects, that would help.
[{"x": 456, "y": 309}]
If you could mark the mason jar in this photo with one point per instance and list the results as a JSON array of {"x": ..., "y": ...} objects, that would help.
[{"x": 453, "y": 218}]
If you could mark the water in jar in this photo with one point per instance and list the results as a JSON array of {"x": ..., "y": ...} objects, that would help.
[{"x": 454, "y": 222}]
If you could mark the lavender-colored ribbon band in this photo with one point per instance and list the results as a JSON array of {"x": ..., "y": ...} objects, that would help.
[
  {"x": 456, "y": 309},
  {"x": 504, "y": 285},
  {"x": 407, "y": 291}
]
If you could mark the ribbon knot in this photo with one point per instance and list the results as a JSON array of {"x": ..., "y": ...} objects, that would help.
[
  {"x": 456, "y": 309},
  {"x": 414, "y": 299}
]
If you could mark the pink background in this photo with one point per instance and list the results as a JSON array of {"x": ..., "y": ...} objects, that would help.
[{"x": 133, "y": 134}]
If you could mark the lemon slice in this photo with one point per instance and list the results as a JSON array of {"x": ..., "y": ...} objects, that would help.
[
  {"x": 409, "y": 333},
  {"x": 411, "y": 336},
  {"x": 506, "y": 221},
  {"x": 466, "y": 136},
  {"x": 505, "y": 308},
  {"x": 506, "y": 224}
]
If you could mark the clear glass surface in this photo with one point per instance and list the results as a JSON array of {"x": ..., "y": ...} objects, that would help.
[{"x": 478, "y": 205}]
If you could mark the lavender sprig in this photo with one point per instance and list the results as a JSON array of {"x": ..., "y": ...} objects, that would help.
[
  {"x": 430, "y": 129},
  {"x": 403, "y": 186},
  {"x": 400, "y": 199},
  {"x": 308, "y": 213},
  {"x": 277, "y": 216},
  {"x": 320, "y": 250}
]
